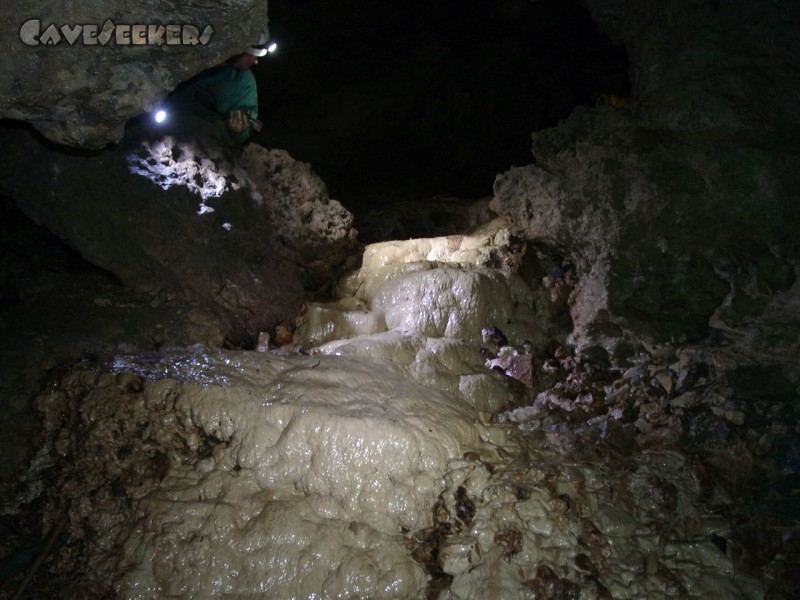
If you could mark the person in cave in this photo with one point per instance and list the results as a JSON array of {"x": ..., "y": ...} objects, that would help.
[{"x": 227, "y": 92}]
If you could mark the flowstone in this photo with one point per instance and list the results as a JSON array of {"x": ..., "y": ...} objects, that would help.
[
  {"x": 422, "y": 303},
  {"x": 397, "y": 464},
  {"x": 584, "y": 504},
  {"x": 203, "y": 474}
]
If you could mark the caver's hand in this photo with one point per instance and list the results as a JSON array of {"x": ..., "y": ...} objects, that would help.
[{"x": 238, "y": 121}]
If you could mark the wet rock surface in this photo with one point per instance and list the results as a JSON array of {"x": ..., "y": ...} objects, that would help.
[
  {"x": 101, "y": 86},
  {"x": 661, "y": 447},
  {"x": 300, "y": 462},
  {"x": 57, "y": 308}
]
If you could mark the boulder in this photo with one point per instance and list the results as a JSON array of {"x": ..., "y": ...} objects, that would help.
[{"x": 195, "y": 217}]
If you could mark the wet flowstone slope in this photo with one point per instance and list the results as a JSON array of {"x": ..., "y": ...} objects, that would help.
[{"x": 384, "y": 457}]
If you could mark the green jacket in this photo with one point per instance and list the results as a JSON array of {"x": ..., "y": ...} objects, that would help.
[{"x": 227, "y": 89}]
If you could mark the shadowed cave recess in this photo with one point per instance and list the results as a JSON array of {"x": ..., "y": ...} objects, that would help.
[
  {"x": 502, "y": 302},
  {"x": 401, "y": 102}
]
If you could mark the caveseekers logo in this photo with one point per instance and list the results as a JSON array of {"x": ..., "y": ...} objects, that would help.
[{"x": 31, "y": 33}]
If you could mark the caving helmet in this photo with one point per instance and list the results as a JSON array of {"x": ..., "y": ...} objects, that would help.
[{"x": 263, "y": 46}]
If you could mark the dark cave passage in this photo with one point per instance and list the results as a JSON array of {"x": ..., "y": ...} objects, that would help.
[{"x": 399, "y": 101}]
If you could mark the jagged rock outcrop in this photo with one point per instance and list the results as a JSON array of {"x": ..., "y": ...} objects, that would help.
[
  {"x": 318, "y": 229},
  {"x": 678, "y": 206},
  {"x": 99, "y": 86},
  {"x": 190, "y": 217}
]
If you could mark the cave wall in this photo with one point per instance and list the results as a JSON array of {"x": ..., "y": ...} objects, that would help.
[
  {"x": 678, "y": 207},
  {"x": 81, "y": 94},
  {"x": 189, "y": 241},
  {"x": 702, "y": 65}
]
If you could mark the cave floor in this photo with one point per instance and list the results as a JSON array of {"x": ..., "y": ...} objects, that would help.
[{"x": 399, "y": 456}]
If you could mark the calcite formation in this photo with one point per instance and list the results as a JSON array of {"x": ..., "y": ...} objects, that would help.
[
  {"x": 365, "y": 469},
  {"x": 439, "y": 287},
  {"x": 248, "y": 473},
  {"x": 423, "y": 303}
]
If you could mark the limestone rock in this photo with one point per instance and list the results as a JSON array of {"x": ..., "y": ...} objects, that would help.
[
  {"x": 678, "y": 206},
  {"x": 318, "y": 228},
  {"x": 704, "y": 66},
  {"x": 513, "y": 364},
  {"x": 186, "y": 215}
]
